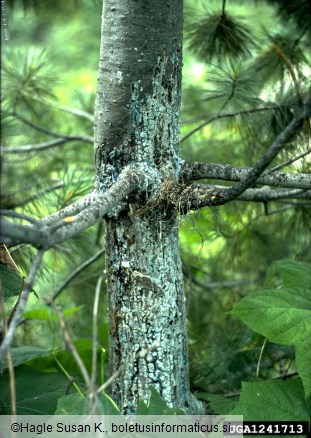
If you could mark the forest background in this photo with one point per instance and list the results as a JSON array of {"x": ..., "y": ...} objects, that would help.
[{"x": 49, "y": 76}]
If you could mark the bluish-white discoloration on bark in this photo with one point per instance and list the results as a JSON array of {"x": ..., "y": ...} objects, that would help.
[{"x": 137, "y": 121}]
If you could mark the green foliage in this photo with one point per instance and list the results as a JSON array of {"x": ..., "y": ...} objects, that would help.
[
  {"x": 156, "y": 406},
  {"x": 283, "y": 316},
  {"x": 274, "y": 400},
  {"x": 74, "y": 404},
  {"x": 220, "y": 36},
  {"x": 218, "y": 403},
  {"x": 278, "y": 59},
  {"x": 233, "y": 87},
  {"x": 44, "y": 7},
  {"x": 37, "y": 393},
  {"x": 64, "y": 358},
  {"x": 49, "y": 392},
  {"x": 71, "y": 404},
  {"x": 281, "y": 118},
  {"x": 290, "y": 306},
  {"x": 48, "y": 314},
  {"x": 23, "y": 354},
  {"x": 26, "y": 76},
  {"x": 295, "y": 11},
  {"x": 56, "y": 373},
  {"x": 12, "y": 283}
]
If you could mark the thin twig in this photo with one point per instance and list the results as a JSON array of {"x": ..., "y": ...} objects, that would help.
[
  {"x": 289, "y": 67},
  {"x": 47, "y": 145},
  {"x": 223, "y": 7},
  {"x": 47, "y": 131},
  {"x": 12, "y": 213},
  {"x": 260, "y": 358},
  {"x": 37, "y": 195},
  {"x": 226, "y": 115},
  {"x": 76, "y": 272},
  {"x": 94, "y": 337},
  {"x": 67, "y": 109},
  {"x": 296, "y": 204},
  {"x": 288, "y": 162},
  {"x": 9, "y": 336},
  {"x": 12, "y": 381},
  {"x": 211, "y": 286},
  {"x": 268, "y": 213},
  {"x": 8, "y": 355},
  {"x": 285, "y": 376},
  {"x": 71, "y": 380},
  {"x": 70, "y": 345}
]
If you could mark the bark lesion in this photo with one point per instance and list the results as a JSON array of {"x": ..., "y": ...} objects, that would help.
[
  {"x": 146, "y": 281},
  {"x": 179, "y": 196}
]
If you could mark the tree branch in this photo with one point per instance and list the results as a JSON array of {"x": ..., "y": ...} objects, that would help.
[
  {"x": 47, "y": 145},
  {"x": 195, "y": 171},
  {"x": 71, "y": 210},
  {"x": 17, "y": 233},
  {"x": 195, "y": 196},
  {"x": 224, "y": 116},
  {"x": 288, "y": 162},
  {"x": 264, "y": 194},
  {"x": 75, "y": 111},
  {"x": 210, "y": 287},
  {"x": 47, "y": 131},
  {"x": 252, "y": 176},
  {"x": 20, "y": 308},
  {"x": 64, "y": 225},
  {"x": 130, "y": 179}
]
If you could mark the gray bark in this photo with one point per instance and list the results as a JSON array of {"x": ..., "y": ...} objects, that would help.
[
  {"x": 137, "y": 120},
  {"x": 226, "y": 172}
]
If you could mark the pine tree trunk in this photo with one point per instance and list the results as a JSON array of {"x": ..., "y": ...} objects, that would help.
[{"x": 137, "y": 121}]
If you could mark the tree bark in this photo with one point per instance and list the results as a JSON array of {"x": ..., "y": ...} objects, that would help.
[{"x": 137, "y": 121}]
